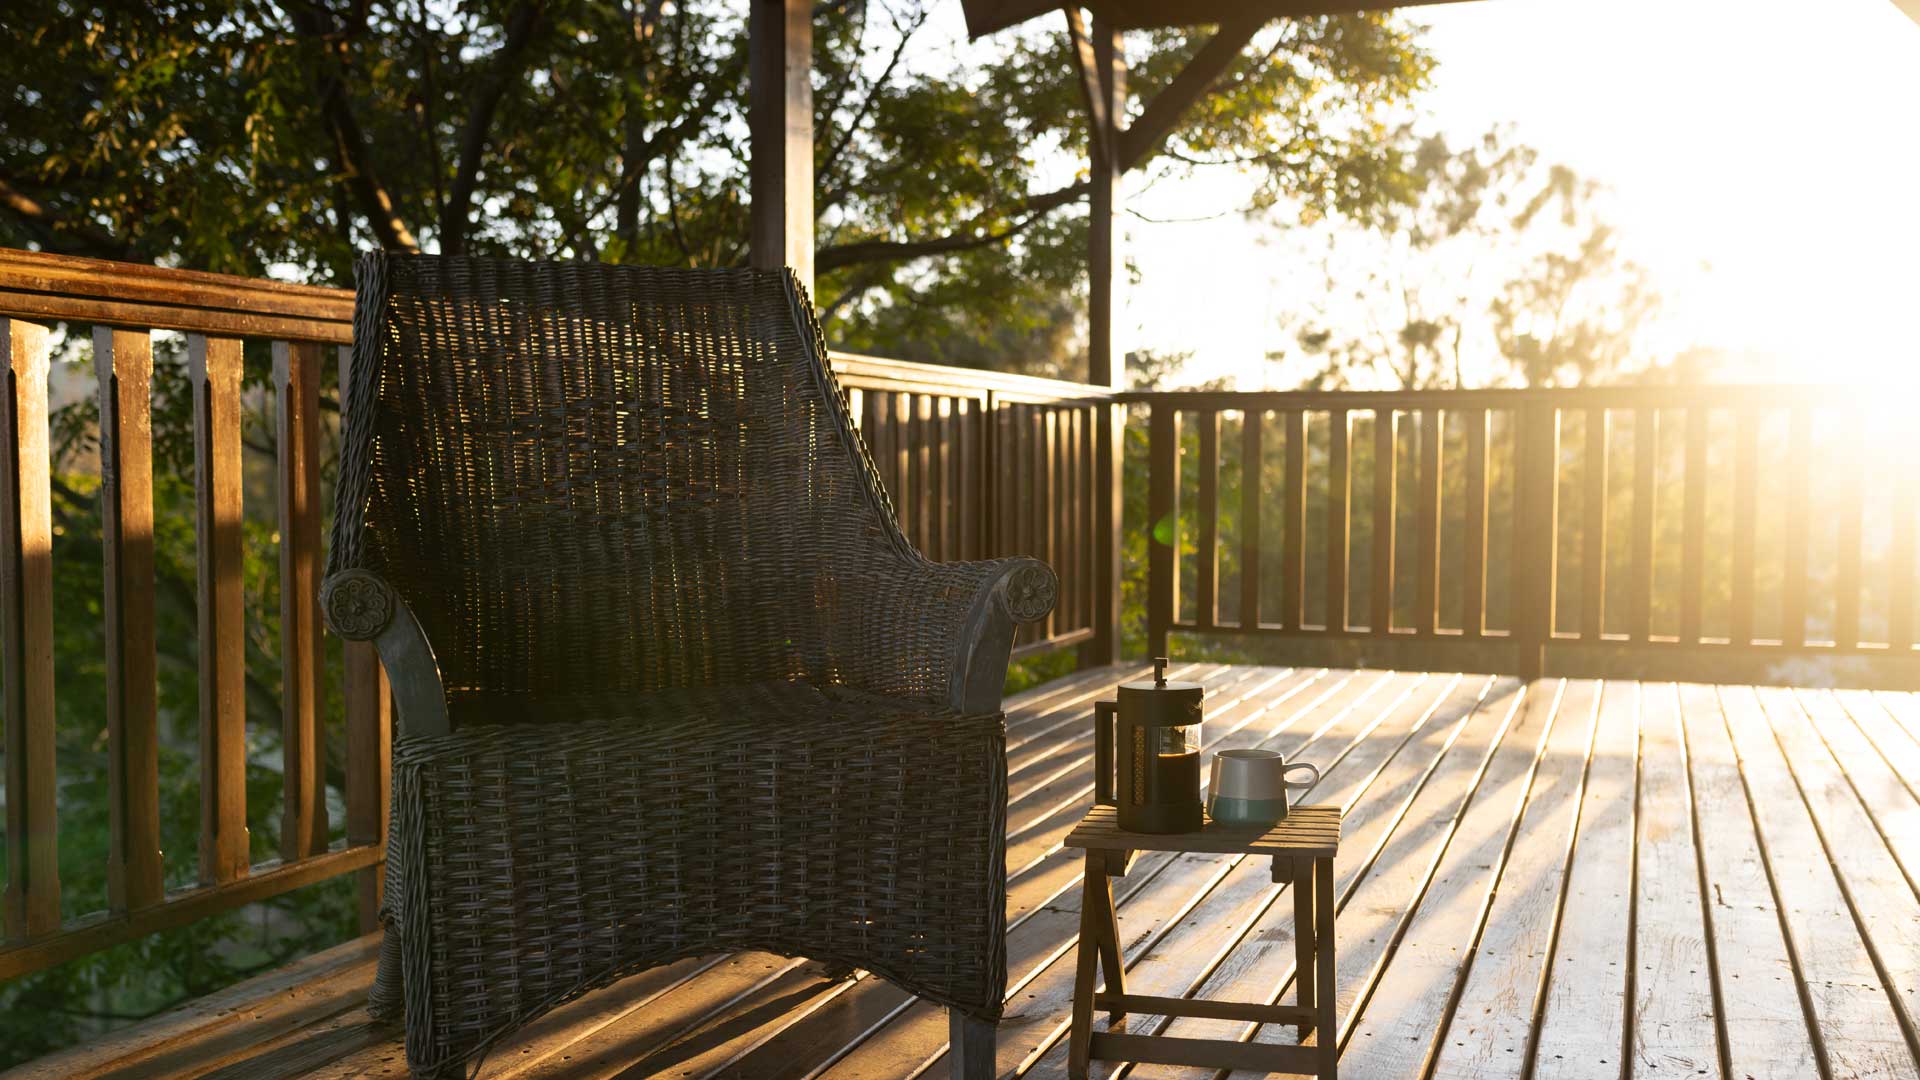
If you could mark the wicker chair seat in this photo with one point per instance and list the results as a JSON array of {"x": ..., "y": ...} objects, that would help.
[{"x": 806, "y": 821}]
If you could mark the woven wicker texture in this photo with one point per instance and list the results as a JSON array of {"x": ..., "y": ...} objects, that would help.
[{"x": 700, "y": 686}]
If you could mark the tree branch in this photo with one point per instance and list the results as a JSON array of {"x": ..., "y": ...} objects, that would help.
[
  {"x": 351, "y": 154},
  {"x": 841, "y": 256},
  {"x": 506, "y": 68},
  {"x": 62, "y": 235}
]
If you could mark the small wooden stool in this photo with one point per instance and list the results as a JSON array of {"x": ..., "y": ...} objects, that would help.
[{"x": 1303, "y": 848}]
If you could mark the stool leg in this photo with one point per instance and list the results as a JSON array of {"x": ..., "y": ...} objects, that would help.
[
  {"x": 1329, "y": 1024},
  {"x": 970, "y": 1049},
  {"x": 1107, "y": 927},
  {"x": 1304, "y": 931},
  {"x": 1080, "y": 1036}
]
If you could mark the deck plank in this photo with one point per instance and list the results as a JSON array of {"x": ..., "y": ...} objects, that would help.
[
  {"x": 1351, "y": 753},
  {"x": 1398, "y": 1033},
  {"x": 919, "y": 1037},
  {"x": 1763, "y": 1018},
  {"x": 1262, "y": 966},
  {"x": 1882, "y": 901},
  {"x": 1583, "y": 1026},
  {"x": 1381, "y": 907},
  {"x": 1900, "y": 750},
  {"x": 1673, "y": 1028},
  {"x": 1888, "y": 802},
  {"x": 1493, "y": 1020},
  {"x": 1859, "y": 1032}
]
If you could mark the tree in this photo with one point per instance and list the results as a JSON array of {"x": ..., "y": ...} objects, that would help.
[
  {"x": 244, "y": 136},
  {"x": 1492, "y": 270}
]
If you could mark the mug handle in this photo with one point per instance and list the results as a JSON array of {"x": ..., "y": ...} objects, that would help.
[
  {"x": 1294, "y": 785},
  {"x": 1213, "y": 784}
]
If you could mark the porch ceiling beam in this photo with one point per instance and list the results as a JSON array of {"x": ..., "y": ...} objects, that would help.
[{"x": 1144, "y": 136}]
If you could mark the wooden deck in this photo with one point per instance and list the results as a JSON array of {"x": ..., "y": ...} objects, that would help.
[{"x": 1565, "y": 880}]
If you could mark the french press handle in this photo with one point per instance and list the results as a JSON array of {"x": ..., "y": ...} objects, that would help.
[{"x": 1105, "y": 722}]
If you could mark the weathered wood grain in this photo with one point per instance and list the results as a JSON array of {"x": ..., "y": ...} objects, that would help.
[
  {"x": 1494, "y": 1018},
  {"x": 1762, "y": 1021},
  {"x": 1673, "y": 1031},
  {"x": 1583, "y": 1026}
]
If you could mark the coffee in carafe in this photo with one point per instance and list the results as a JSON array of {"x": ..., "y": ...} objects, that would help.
[{"x": 1147, "y": 754}]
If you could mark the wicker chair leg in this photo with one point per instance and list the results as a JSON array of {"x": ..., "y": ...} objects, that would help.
[
  {"x": 971, "y": 1046},
  {"x": 384, "y": 999}
]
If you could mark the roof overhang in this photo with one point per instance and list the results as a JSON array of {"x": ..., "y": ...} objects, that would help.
[{"x": 986, "y": 16}]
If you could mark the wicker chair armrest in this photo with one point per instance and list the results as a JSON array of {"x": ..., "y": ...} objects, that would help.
[
  {"x": 360, "y": 605},
  {"x": 972, "y": 612}
]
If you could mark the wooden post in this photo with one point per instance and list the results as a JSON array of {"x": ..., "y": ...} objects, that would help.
[
  {"x": 780, "y": 125},
  {"x": 1104, "y": 368}
]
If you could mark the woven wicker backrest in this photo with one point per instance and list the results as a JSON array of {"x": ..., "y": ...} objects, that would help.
[{"x": 591, "y": 479}]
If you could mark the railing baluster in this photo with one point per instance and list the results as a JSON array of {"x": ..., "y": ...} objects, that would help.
[
  {"x": 1846, "y": 601},
  {"x": 1473, "y": 585},
  {"x": 1793, "y": 604},
  {"x": 1047, "y": 514},
  {"x": 368, "y": 703},
  {"x": 26, "y": 604},
  {"x": 1251, "y": 454},
  {"x": 1693, "y": 527},
  {"x": 1339, "y": 513},
  {"x": 1208, "y": 579},
  {"x": 1163, "y": 527},
  {"x": 1900, "y": 571},
  {"x": 296, "y": 383},
  {"x": 924, "y": 494},
  {"x": 900, "y": 421},
  {"x": 1746, "y": 486},
  {"x": 1536, "y": 525},
  {"x": 123, "y": 364},
  {"x": 1385, "y": 434},
  {"x": 214, "y": 365},
  {"x": 939, "y": 545},
  {"x": 1293, "y": 522},
  {"x": 1593, "y": 554},
  {"x": 1426, "y": 605},
  {"x": 1646, "y": 436}
]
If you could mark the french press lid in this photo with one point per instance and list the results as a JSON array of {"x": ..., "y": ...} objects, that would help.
[{"x": 1170, "y": 701}]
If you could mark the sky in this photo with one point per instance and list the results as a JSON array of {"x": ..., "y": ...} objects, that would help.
[{"x": 1762, "y": 160}]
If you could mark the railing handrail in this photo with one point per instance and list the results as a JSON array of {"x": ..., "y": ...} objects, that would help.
[{"x": 1633, "y": 396}]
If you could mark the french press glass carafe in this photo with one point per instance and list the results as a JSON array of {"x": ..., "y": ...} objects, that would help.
[{"x": 1147, "y": 754}]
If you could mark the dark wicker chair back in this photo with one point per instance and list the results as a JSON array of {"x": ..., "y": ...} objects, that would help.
[{"x": 628, "y": 479}]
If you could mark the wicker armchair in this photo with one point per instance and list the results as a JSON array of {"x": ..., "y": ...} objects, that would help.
[{"x": 670, "y": 680}]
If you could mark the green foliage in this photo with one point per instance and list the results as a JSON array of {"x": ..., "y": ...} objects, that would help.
[
  {"x": 64, "y": 1004},
  {"x": 242, "y": 136},
  {"x": 1486, "y": 256}
]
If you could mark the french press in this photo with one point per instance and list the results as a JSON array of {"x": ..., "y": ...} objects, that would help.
[{"x": 1146, "y": 754}]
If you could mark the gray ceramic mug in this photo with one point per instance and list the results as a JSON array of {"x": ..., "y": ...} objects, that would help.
[{"x": 1249, "y": 787}]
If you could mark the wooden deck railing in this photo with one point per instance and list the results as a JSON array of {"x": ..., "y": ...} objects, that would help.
[
  {"x": 1639, "y": 518},
  {"x": 978, "y": 464}
]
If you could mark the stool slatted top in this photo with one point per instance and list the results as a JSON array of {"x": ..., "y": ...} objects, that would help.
[{"x": 1306, "y": 832}]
